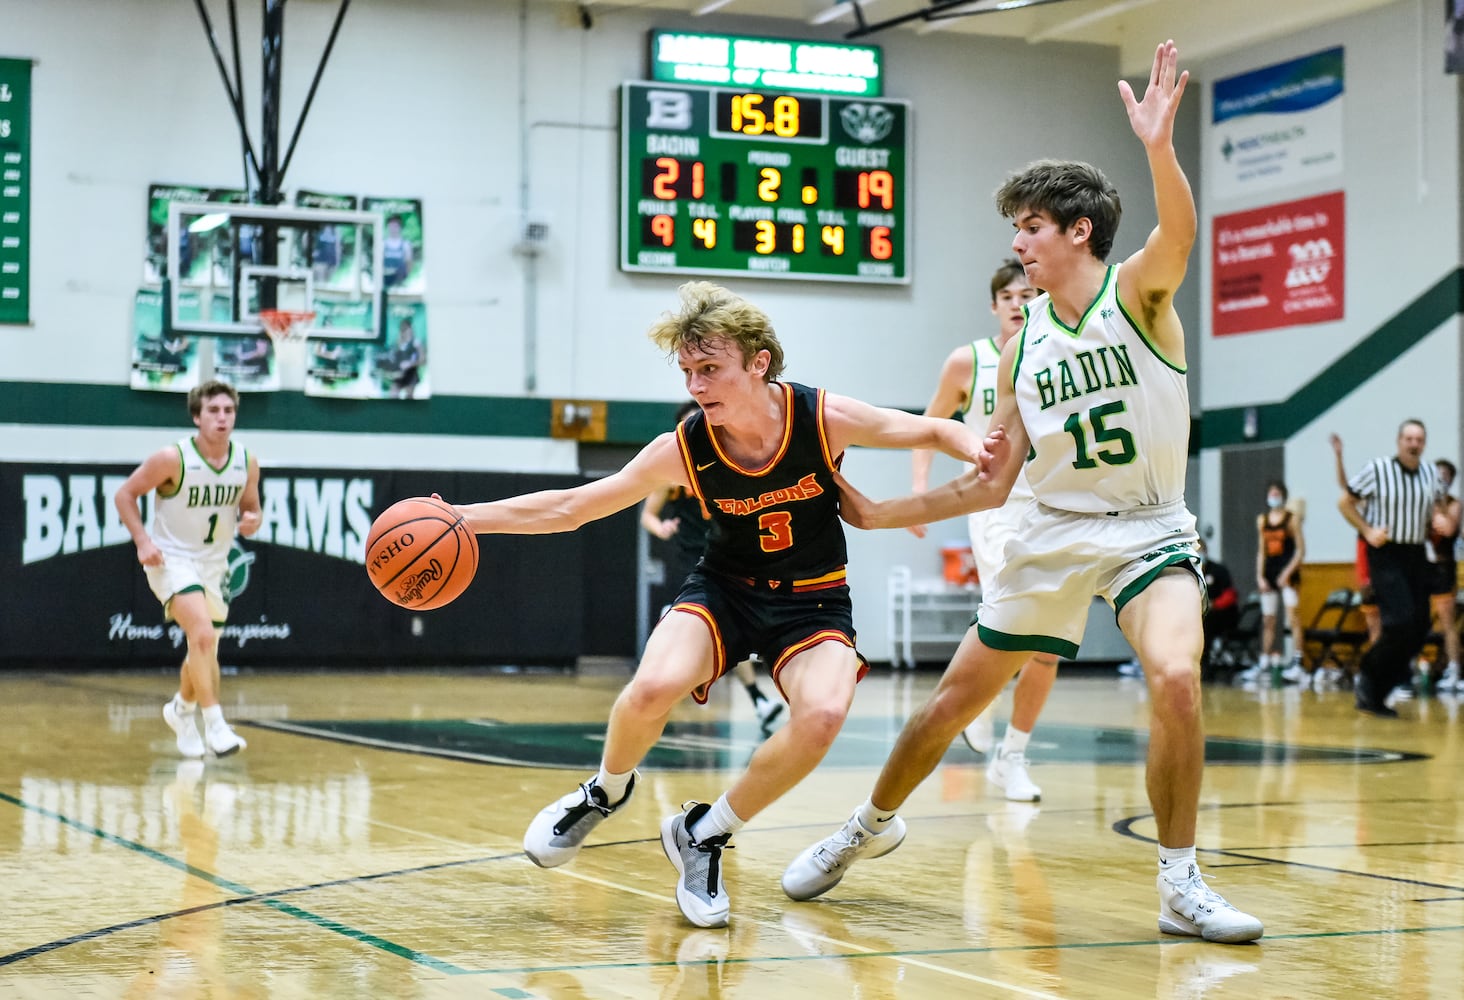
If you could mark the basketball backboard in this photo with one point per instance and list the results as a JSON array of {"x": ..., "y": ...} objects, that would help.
[{"x": 241, "y": 258}]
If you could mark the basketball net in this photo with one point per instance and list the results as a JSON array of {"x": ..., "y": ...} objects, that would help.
[{"x": 287, "y": 328}]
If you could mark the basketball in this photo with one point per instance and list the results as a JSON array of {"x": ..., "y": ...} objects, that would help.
[{"x": 421, "y": 554}]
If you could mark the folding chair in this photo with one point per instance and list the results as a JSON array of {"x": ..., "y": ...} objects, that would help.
[
  {"x": 1239, "y": 647},
  {"x": 1333, "y": 633}
]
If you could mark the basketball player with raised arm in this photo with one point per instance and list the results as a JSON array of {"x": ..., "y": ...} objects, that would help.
[
  {"x": 1093, "y": 394},
  {"x": 207, "y": 489},
  {"x": 967, "y": 386},
  {"x": 760, "y": 454}
]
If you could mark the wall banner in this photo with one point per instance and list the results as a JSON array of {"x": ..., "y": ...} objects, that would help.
[
  {"x": 1278, "y": 266},
  {"x": 299, "y": 590},
  {"x": 1275, "y": 126}
]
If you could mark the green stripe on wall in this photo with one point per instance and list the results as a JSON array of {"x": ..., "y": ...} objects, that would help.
[
  {"x": 631, "y": 422},
  {"x": 1278, "y": 421},
  {"x": 74, "y": 404}
]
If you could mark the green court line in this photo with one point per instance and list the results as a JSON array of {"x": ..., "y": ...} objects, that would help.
[{"x": 363, "y": 937}]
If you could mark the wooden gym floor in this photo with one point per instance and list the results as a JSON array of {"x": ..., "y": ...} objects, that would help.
[{"x": 367, "y": 845}]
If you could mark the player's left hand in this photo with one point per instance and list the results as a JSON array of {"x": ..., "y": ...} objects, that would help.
[
  {"x": 996, "y": 451},
  {"x": 1152, "y": 119}
]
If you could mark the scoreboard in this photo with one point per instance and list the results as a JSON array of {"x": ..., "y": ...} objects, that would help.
[{"x": 719, "y": 181}]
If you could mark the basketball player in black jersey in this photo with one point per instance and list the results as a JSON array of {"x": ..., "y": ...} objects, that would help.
[
  {"x": 676, "y": 516},
  {"x": 760, "y": 456}
]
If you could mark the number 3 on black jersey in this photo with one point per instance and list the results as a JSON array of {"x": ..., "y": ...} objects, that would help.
[{"x": 778, "y": 528}]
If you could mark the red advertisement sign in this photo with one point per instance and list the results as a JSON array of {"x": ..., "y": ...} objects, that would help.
[{"x": 1278, "y": 266}]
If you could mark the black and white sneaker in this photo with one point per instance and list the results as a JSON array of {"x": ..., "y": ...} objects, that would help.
[
  {"x": 556, "y": 834},
  {"x": 699, "y": 892}
]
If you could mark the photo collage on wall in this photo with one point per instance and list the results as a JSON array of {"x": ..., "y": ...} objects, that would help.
[
  {"x": 396, "y": 367},
  {"x": 340, "y": 259}
]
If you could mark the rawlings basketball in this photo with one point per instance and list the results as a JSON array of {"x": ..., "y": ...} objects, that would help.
[{"x": 421, "y": 554}]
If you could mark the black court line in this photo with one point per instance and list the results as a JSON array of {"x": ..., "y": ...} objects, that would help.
[
  {"x": 246, "y": 895},
  {"x": 1124, "y": 828}
]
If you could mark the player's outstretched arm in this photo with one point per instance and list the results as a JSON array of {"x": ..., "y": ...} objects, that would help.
[
  {"x": 986, "y": 486},
  {"x": 657, "y": 465},
  {"x": 1148, "y": 279},
  {"x": 950, "y": 396},
  {"x": 849, "y": 421}
]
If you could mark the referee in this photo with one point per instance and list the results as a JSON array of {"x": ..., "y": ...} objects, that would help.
[{"x": 1391, "y": 502}]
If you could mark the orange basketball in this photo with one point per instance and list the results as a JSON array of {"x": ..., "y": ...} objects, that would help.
[{"x": 421, "y": 554}]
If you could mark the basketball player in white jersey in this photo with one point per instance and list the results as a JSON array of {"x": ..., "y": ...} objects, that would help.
[
  {"x": 968, "y": 386},
  {"x": 1092, "y": 392},
  {"x": 207, "y": 489}
]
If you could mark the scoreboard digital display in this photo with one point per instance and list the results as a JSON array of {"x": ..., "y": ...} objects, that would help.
[{"x": 761, "y": 183}]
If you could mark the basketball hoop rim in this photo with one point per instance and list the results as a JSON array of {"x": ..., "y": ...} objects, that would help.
[{"x": 286, "y": 325}]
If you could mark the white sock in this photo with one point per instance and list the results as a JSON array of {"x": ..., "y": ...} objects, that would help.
[
  {"x": 719, "y": 819},
  {"x": 613, "y": 785},
  {"x": 873, "y": 819},
  {"x": 213, "y": 715},
  {"x": 185, "y": 706},
  {"x": 1014, "y": 741},
  {"x": 1173, "y": 860}
]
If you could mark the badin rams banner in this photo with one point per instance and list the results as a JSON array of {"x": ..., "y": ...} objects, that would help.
[{"x": 75, "y": 595}]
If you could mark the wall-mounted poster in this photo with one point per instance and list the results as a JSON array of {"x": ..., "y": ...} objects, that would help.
[
  {"x": 401, "y": 245},
  {"x": 1279, "y": 266},
  {"x": 163, "y": 362},
  {"x": 1275, "y": 126}
]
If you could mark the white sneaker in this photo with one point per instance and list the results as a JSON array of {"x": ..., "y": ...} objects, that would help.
[
  {"x": 1192, "y": 908},
  {"x": 223, "y": 741},
  {"x": 190, "y": 743},
  {"x": 700, "y": 894},
  {"x": 556, "y": 833},
  {"x": 1295, "y": 674},
  {"x": 978, "y": 735},
  {"x": 767, "y": 710},
  {"x": 1008, "y": 772},
  {"x": 1449, "y": 681},
  {"x": 820, "y": 867}
]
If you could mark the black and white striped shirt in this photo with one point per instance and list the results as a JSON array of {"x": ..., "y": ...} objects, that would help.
[{"x": 1397, "y": 498}]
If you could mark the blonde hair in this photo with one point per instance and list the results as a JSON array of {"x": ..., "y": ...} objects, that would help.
[{"x": 709, "y": 313}]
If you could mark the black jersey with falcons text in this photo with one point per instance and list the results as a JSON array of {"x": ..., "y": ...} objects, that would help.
[{"x": 779, "y": 522}]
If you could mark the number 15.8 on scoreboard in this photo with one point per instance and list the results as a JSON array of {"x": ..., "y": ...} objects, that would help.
[{"x": 765, "y": 184}]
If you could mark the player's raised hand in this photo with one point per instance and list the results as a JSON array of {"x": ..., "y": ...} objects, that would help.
[{"x": 1152, "y": 118}]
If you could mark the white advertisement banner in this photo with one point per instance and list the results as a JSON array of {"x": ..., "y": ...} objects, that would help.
[{"x": 1276, "y": 126}]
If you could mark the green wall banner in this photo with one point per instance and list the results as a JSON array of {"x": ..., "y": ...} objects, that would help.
[{"x": 15, "y": 112}]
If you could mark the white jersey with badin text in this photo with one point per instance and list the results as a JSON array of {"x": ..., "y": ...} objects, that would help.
[
  {"x": 199, "y": 519},
  {"x": 1108, "y": 416},
  {"x": 985, "y": 374}
]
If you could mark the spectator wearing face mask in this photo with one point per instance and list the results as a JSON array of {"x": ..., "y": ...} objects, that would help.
[{"x": 1279, "y": 554}]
